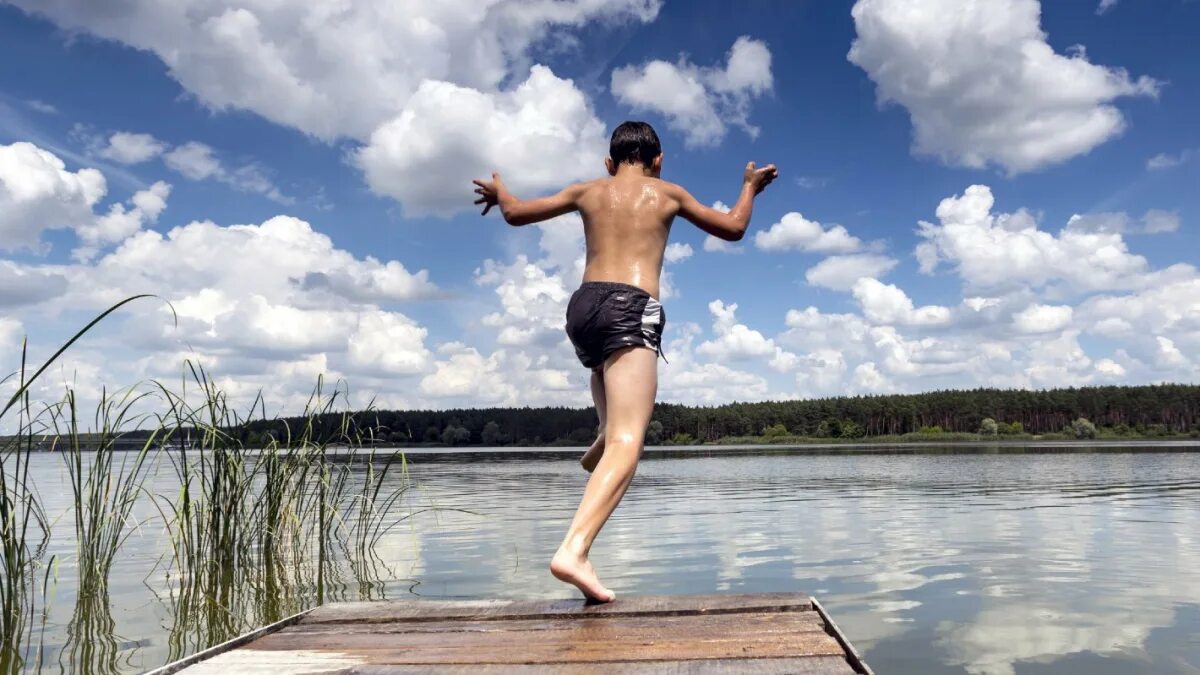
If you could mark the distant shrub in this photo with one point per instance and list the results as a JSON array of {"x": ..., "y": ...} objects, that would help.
[
  {"x": 988, "y": 427},
  {"x": 1012, "y": 428},
  {"x": 829, "y": 429},
  {"x": 1082, "y": 428},
  {"x": 851, "y": 429},
  {"x": 931, "y": 430},
  {"x": 455, "y": 435},
  {"x": 654, "y": 433},
  {"x": 681, "y": 438},
  {"x": 774, "y": 431}
]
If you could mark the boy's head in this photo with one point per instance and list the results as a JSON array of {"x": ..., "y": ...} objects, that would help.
[{"x": 634, "y": 143}]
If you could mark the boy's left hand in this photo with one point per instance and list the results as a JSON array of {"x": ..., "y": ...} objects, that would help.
[{"x": 489, "y": 192}]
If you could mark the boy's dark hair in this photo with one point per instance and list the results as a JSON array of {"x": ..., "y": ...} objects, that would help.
[{"x": 634, "y": 142}]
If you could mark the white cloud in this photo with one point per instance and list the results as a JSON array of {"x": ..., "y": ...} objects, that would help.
[
  {"x": 1155, "y": 221},
  {"x": 385, "y": 72},
  {"x": 887, "y": 304},
  {"x": 130, "y": 148},
  {"x": 121, "y": 222},
  {"x": 1166, "y": 161},
  {"x": 21, "y": 285},
  {"x": 677, "y": 252},
  {"x": 1043, "y": 318},
  {"x": 332, "y": 69},
  {"x": 841, "y": 272},
  {"x": 983, "y": 87},
  {"x": 540, "y": 134},
  {"x": 699, "y": 102},
  {"x": 794, "y": 232},
  {"x": 389, "y": 342},
  {"x": 38, "y": 193},
  {"x": 996, "y": 251},
  {"x": 735, "y": 341},
  {"x": 198, "y": 161},
  {"x": 1105, "y": 6}
]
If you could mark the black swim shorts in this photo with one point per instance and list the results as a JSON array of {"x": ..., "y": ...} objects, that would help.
[{"x": 604, "y": 316}]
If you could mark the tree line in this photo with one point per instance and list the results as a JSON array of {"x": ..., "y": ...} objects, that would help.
[{"x": 1154, "y": 410}]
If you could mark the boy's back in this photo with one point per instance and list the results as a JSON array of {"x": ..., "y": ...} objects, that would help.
[
  {"x": 626, "y": 220},
  {"x": 615, "y": 317}
]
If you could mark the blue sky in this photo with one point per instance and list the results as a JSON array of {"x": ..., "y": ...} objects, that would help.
[{"x": 358, "y": 130}]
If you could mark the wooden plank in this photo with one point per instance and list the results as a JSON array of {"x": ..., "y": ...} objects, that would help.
[
  {"x": 852, "y": 656},
  {"x": 425, "y": 610},
  {"x": 602, "y": 646},
  {"x": 810, "y": 665},
  {"x": 228, "y": 645},
  {"x": 575, "y": 627}
]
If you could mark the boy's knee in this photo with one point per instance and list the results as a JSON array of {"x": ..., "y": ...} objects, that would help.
[{"x": 622, "y": 439}]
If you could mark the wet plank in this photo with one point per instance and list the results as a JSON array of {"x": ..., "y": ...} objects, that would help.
[
  {"x": 753, "y": 633},
  {"x": 669, "y": 605}
]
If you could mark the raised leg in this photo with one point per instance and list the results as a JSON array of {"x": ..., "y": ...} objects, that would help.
[
  {"x": 630, "y": 383},
  {"x": 592, "y": 456}
]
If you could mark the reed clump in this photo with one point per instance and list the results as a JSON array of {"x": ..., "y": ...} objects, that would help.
[{"x": 255, "y": 532}]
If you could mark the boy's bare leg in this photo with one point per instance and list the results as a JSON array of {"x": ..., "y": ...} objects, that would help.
[
  {"x": 592, "y": 457},
  {"x": 630, "y": 383}
]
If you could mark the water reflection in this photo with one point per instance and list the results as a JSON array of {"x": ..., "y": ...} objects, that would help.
[
  {"x": 933, "y": 563},
  {"x": 957, "y": 563}
]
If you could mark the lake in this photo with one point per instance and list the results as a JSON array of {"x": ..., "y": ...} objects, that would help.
[{"x": 967, "y": 561}]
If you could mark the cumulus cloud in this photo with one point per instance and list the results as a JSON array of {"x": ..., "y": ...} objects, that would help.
[
  {"x": 331, "y": 69},
  {"x": 794, "y": 232},
  {"x": 983, "y": 87},
  {"x": 700, "y": 101},
  {"x": 1105, "y": 6},
  {"x": 735, "y": 341},
  {"x": 541, "y": 133},
  {"x": 132, "y": 148},
  {"x": 197, "y": 161},
  {"x": 384, "y": 73},
  {"x": 887, "y": 304},
  {"x": 841, "y": 272},
  {"x": 1043, "y": 318},
  {"x": 677, "y": 252},
  {"x": 997, "y": 251},
  {"x": 121, "y": 221},
  {"x": 38, "y": 193},
  {"x": 22, "y": 285}
]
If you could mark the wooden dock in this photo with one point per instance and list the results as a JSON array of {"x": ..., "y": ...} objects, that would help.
[{"x": 761, "y": 633}]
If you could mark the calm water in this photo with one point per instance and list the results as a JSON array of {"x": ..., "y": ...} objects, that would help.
[{"x": 932, "y": 563}]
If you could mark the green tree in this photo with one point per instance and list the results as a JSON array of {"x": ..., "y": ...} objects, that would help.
[
  {"x": 681, "y": 438},
  {"x": 433, "y": 435},
  {"x": 654, "y": 433},
  {"x": 774, "y": 431},
  {"x": 988, "y": 427},
  {"x": 455, "y": 435},
  {"x": 851, "y": 429},
  {"x": 490, "y": 436},
  {"x": 1083, "y": 428}
]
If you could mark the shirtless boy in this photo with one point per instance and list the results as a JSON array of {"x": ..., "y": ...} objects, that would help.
[{"x": 615, "y": 320}]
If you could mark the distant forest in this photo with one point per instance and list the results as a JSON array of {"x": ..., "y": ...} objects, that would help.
[{"x": 1155, "y": 410}]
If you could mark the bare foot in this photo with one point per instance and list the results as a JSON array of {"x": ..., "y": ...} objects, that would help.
[
  {"x": 577, "y": 571},
  {"x": 593, "y": 454}
]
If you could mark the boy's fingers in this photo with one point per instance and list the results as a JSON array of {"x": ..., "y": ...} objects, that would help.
[
  {"x": 486, "y": 209},
  {"x": 479, "y": 183},
  {"x": 749, "y": 166},
  {"x": 481, "y": 200}
]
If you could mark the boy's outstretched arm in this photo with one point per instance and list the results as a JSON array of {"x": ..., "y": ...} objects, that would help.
[
  {"x": 729, "y": 226},
  {"x": 517, "y": 212}
]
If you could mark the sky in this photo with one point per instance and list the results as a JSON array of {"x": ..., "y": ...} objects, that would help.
[{"x": 990, "y": 193}]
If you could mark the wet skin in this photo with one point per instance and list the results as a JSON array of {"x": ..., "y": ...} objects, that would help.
[{"x": 626, "y": 218}]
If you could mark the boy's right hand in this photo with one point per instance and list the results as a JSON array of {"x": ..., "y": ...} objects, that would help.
[{"x": 759, "y": 179}]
